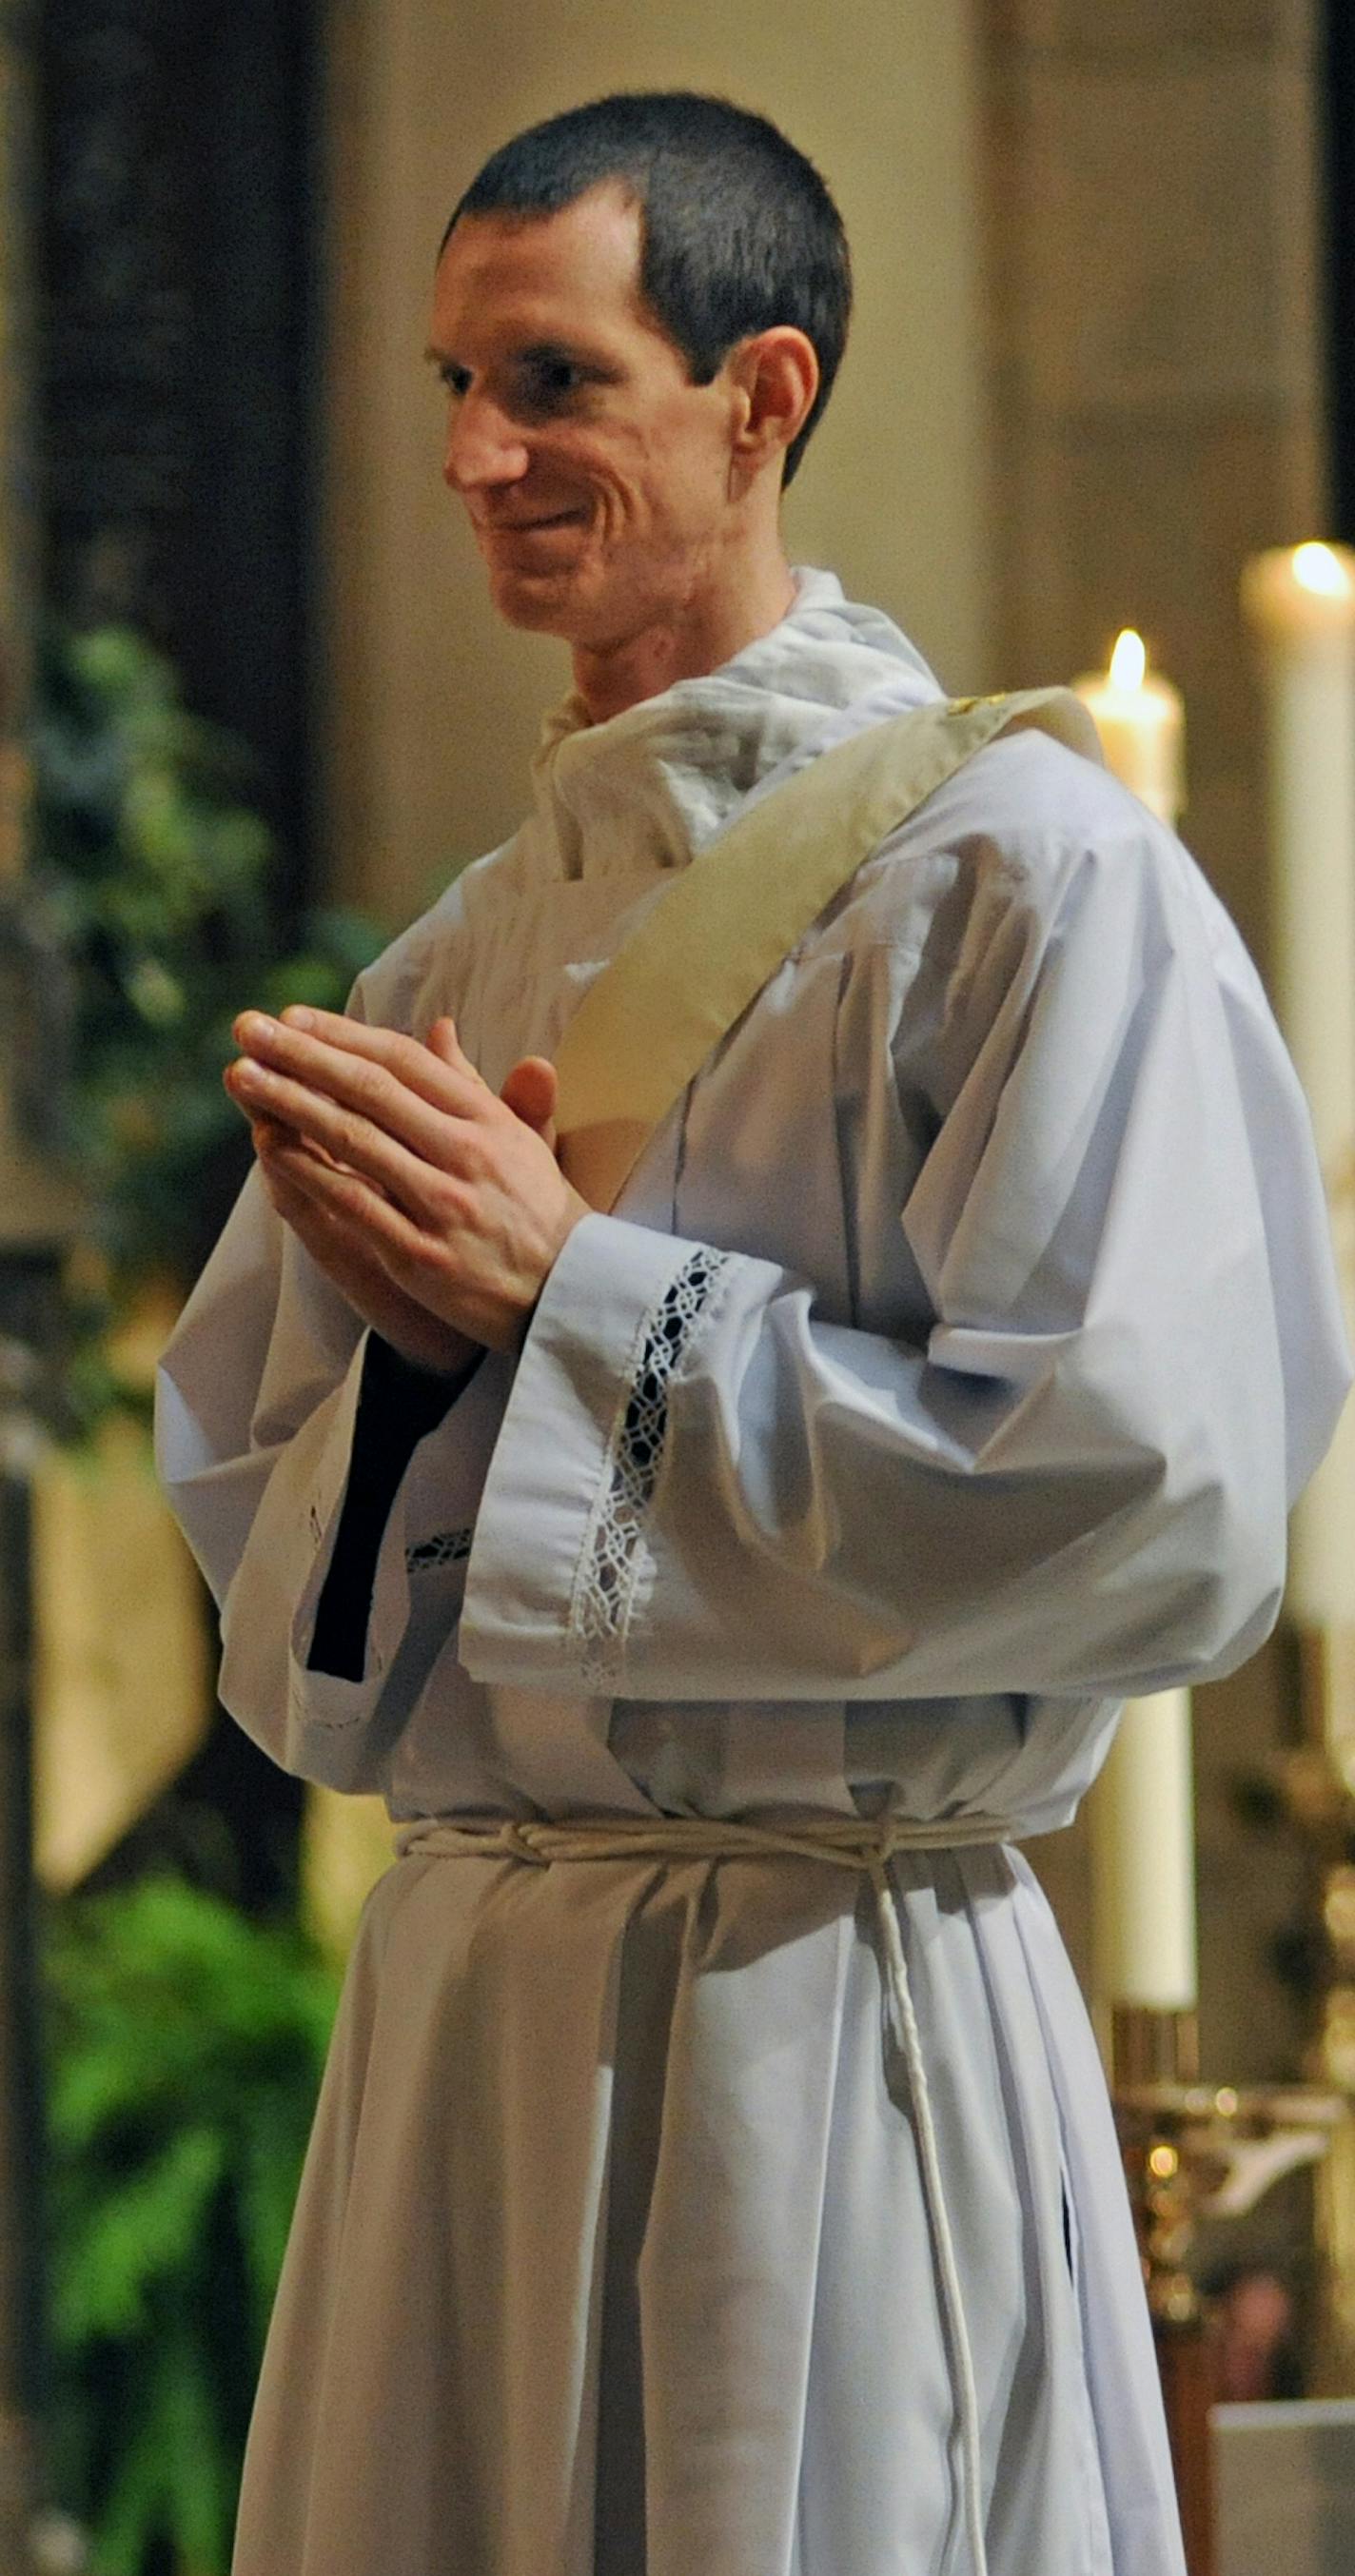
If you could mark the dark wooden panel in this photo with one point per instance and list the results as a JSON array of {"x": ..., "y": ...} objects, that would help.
[
  {"x": 178, "y": 257},
  {"x": 175, "y": 410},
  {"x": 1339, "y": 142}
]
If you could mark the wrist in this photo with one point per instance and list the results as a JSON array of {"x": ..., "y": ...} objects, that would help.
[
  {"x": 450, "y": 1373},
  {"x": 575, "y": 1209}
]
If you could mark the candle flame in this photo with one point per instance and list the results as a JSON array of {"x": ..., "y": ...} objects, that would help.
[
  {"x": 1317, "y": 568},
  {"x": 1129, "y": 661}
]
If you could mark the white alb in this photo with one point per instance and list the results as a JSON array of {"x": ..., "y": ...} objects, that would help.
[{"x": 944, "y": 1374}]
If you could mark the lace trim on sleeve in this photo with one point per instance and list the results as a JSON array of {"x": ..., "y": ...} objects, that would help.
[
  {"x": 612, "y": 1557},
  {"x": 446, "y": 1547}
]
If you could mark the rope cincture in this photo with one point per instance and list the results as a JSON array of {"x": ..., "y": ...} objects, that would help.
[{"x": 844, "y": 1844}]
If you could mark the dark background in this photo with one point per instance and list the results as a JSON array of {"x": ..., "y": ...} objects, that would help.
[
  {"x": 179, "y": 253},
  {"x": 1340, "y": 253},
  {"x": 179, "y": 257}
]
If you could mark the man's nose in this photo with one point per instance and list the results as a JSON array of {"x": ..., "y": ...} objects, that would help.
[{"x": 483, "y": 446}]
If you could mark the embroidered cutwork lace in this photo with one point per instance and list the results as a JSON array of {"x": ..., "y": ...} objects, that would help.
[
  {"x": 612, "y": 1555},
  {"x": 446, "y": 1547}
]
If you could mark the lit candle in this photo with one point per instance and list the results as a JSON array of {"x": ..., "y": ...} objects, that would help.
[
  {"x": 1301, "y": 604},
  {"x": 1141, "y": 722},
  {"x": 1142, "y": 1808}
]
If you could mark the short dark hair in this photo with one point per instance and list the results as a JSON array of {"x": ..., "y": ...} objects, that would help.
[{"x": 738, "y": 230}]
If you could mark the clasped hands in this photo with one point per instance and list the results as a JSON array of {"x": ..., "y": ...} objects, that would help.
[{"x": 436, "y": 1206}]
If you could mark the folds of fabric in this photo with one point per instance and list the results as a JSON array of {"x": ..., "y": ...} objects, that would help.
[
  {"x": 611, "y": 2253},
  {"x": 945, "y": 1370}
]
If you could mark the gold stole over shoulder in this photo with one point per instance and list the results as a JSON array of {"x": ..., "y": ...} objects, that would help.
[{"x": 720, "y": 931}]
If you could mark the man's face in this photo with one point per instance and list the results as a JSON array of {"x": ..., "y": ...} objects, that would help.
[{"x": 595, "y": 475}]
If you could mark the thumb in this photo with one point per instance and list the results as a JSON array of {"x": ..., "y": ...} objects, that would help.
[{"x": 530, "y": 1092}]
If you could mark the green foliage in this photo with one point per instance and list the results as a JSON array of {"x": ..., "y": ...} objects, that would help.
[
  {"x": 185, "y": 2047},
  {"x": 157, "y": 885},
  {"x": 186, "y": 2042}
]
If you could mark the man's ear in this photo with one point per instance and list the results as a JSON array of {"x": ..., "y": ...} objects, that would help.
[{"x": 776, "y": 377}]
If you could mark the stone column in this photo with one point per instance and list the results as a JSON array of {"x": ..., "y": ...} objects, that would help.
[
  {"x": 1154, "y": 212},
  {"x": 1158, "y": 404}
]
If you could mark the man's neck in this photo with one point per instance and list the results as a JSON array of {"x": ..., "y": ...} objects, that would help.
[{"x": 701, "y": 636}]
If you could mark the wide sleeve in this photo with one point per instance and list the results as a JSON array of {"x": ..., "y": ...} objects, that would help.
[
  {"x": 259, "y": 1399},
  {"x": 1075, "y": 1478},
  {"x": 257, "y": 1407}
]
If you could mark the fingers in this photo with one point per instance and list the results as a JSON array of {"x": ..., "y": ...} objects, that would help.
[
  {"x": 530, "y": 1092},
  {"x": 403, "y": 1091},
  {"x": 349, "y": 1144},
  {"x": 378, "y": 1103},
  {"x": 269, "y": 1133},
  {"x": 284, "y": 1167},
  {"x": 295, "y": 1204},
  {"x": 341, "y": 1199},
  {"x": 367, "y": 1068},
  {"x": 444, "y": 1043}
]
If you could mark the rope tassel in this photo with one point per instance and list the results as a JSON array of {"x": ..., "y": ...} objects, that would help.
[{"x": 929, "y": 2158}]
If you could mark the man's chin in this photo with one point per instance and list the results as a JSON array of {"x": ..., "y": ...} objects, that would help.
[{"x": 545, "y": 602}]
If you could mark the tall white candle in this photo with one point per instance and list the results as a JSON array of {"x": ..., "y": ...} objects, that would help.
[
  {"x": 1300, "y": 602},
  {"x": 1142, "y": 1808},
  {"x": 1141, "y": 722},
  {"x": 1143, "y": 1859}
]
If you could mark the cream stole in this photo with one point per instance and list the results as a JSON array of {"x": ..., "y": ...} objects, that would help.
[{"x": 711, "y": 942}]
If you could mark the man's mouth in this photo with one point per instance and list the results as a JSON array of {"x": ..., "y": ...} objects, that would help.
[{"x": 530, "y": 527}]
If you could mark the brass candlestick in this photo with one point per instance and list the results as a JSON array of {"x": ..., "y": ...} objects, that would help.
[
  {"x": 1194, "y": 2151},
  {"x": 1150, "y": 2046},
  {"x": 1318, "y": 1793}
]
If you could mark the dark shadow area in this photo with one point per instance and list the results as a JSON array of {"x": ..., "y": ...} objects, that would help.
[
  {"x": 179, "y": 233},
  {"x": 1339, "y": 152}
]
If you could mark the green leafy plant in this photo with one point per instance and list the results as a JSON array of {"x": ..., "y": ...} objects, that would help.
[
  {"x": 155, "y": 881},
  {"x": 185, "y": 2047},
  {"x": 186, "y": 2041}
]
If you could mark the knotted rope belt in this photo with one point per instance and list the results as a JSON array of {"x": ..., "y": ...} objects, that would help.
[{"x": 845, "y": 1844}]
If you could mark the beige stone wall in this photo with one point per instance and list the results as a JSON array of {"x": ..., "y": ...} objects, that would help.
[
  {"x": 1154, "y": 216},
  {"x": 1153, "y": 251},
  {"x": 430, "y": 709}
]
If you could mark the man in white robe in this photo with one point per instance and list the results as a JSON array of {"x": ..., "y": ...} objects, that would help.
[{"x": 943, "y": 1374}]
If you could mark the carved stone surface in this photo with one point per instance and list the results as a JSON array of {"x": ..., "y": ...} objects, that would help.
[
  {"x": 119, "y": 447},
  {"x": 1159, "y": 414},
  {"x": 1163, "y": 235},
  {"x": 177, "y": 361},
  {"x": 1157, "y": 327},
  {"x": 1128, "y": 30}
]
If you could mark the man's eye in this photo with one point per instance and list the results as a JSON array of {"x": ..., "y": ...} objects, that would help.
[
  {"x": 456, "y": 380},
  {"x": 552, "y": 380}
]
